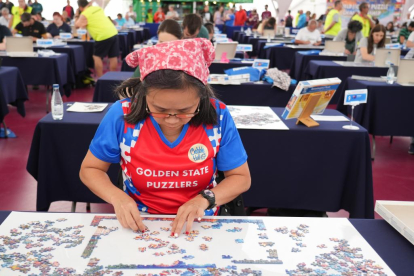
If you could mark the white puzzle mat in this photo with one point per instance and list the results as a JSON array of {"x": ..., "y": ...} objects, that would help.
[{"x": 92, "y": 244}]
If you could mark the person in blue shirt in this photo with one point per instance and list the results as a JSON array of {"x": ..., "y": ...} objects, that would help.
[
  {"x": 230, "y": 18},
  {"x": 120, "y": 21},
  {"x": 58, "y": 26},
  {"x": 302, "y": 20}
]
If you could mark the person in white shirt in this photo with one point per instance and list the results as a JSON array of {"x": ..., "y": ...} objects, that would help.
[
  {"x": 131, "y": 14},
  {"x": 410, "y": 41},
  {"x": 172, "y": 14},
  {"x": 5, "y": 18},
  {"x": 309, "y": 35}
]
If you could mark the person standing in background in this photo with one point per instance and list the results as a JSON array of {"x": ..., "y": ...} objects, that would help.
[
  {"x": 37, "y": 7},
  {"x": 365, "y": 19},
  {"x": 69, "y": 10},
  {"x": 17, "y": 11},
  {"x": 9, "y": 5},
  {"x": 2, "y": 5},
  {"x": 149, "y": 18},
  {"x": 240, "y": 17},
  {"x": 159, "y": 16},
  {"x": 172, "y": 14},
  {"x": 230, "y": 18},
  {"x": 308, "y": 17},
  {"x": 266, "y": 14},
  {"x": 132, "y": 14},
  {"x": 206, "y": 15},
  {"x": 301, "y": 20},
  {"x": 289, "y": 20},
  {"x": 333, "y": 21},
  {"x": 5, "y": 18},
  {"x": 253, "y": 19},
  {"x": 102, "y": 31},
  {"x": 218, "y": 16}
]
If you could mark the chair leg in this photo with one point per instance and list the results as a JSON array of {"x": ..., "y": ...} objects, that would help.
[
  {"x": 88, "y": 207},
  {"x": 373, "y": 148},
  {"x": 391, "y": 139},
  {"x": 73, "y": 209}
]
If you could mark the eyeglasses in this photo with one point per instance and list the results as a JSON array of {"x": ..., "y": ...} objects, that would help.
[{"x": 167, "y": 115}]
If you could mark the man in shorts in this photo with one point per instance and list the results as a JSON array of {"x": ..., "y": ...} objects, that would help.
[{"x": 102, "y": 31}]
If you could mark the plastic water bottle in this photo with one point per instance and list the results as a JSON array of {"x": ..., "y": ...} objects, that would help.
[
  {"x": 57, "y": 103},
  {"x": 149, "y": 43},
  {"x": 390, "y": 74},
  {"x": 388, "y": 60},
  {"x": 242, "y": 29}
]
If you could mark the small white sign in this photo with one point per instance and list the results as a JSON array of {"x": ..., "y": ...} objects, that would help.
[
  {"x": 261, "y": 64},
  {"x": 44, "y": 42},
  {"x": 244, "y": 47},
  {"x": 65, "y": 35},
  {"x": 356, "y": 97},
  {"x": 81, "y": 31},
  {"x": 220, "y": 36},
  {"x": 221, "y": 40}
]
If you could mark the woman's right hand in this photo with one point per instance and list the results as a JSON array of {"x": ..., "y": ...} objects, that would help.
[{"x": 127, "y": 213}]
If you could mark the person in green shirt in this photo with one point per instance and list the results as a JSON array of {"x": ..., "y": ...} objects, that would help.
[
  {"x": 37, "y": 7},
  {"x": 366, "y": 20},
  {"x": 169, "y": 30},
  {"x": 149, "y": 18},
  {"x": 193, "y": 27},
  {"x": 405, "y": 32}
]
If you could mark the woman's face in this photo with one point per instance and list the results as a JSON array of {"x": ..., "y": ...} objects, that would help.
[
  {"x": 378, "y": 36},
  {"x": 172, "y": 101},
  {"x": 57, "y": 20},
  {"x": 165, "y": 37},
  {"x": 389, "y": 26}
]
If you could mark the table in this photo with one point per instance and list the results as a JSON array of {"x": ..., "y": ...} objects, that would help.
[
  {"x": 123, "y": 44},
  {"x": 335, "y": 173},
  {"x": 12, "y": 91},
  {"x": 56, "y": 153},
  {"x": 321, "y": 69},
  {"x": 281, "y": 57},
  {"x": 255, "y": 43},
  {"x": 87, "y": 48},
  {"x": 264, "y": 94},
  {"x": 75, "y": 53},
  {"x": 393, "y": 248},
  {"x": 301, "y": 61},
  {"x": 104, "y": 88},
  {"x": 388, "y": 111},
  {"x": 45, "y": 71},
  {"x": 215, "y": 67}
]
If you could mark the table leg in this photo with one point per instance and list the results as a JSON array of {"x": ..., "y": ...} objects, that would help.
[
  {"x": 88, "y": 207},
  {"x": 391, "y": 139},
  {"x": 373, "y": 148},
  {"x": 73, "y": 209},
  {"x": 47, "y": 98}
]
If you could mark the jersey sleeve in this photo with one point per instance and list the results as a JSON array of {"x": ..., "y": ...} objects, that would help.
[
  {"x": 231, "y": 154},
  {"x": 106, "y": 142}
]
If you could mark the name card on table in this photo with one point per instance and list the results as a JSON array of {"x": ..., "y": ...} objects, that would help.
[
  {"x": 82, "y": 32},
  {"x": 355, "y": 97},
  {"x": 393, "y": 46},
  {"x": 261, "y": 64},
  {"x": 220, "y": 36},
  {"x": 221, "y": 40},
  {"x": 244, "y": 48},
  {"x": 65, "y": 35},
  {"x": 44, "y": 42}
]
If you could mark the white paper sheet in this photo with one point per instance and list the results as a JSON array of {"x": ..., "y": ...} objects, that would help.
[
  {"x": 76, "y": 244},
  {"x": 256, "y": 117},
  {"x": 87, "y": 107},
  {"x": 329, "y": 118}
]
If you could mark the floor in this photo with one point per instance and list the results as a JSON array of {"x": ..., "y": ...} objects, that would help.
[{"x": 393, "y": 171}]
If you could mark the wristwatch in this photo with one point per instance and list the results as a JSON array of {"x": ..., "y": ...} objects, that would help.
[{"x": 211, "y": 198}]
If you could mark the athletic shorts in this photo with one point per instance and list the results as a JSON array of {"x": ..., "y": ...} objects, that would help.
[{"x": 107, "y": 48}]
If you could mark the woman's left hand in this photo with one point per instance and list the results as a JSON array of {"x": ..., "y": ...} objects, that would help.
[{"x": 187, "y": 213}]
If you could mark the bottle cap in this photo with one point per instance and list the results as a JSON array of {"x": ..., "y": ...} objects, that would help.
[{"x": 56, "y": 86}]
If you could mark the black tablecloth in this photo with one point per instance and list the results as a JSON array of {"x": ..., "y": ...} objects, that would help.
[
  {"x": 253, "y": 94},
  {"x": 215, "y": 67},
  {"x": 395, "y": 250},
  {"x": 301, "y": 61},
  {"x": 321, "y": 69},
  {"x": 88, "y": 50},
  {"x": 388, "y": 111},
  {"x": 325, "y": 168},
  {"x": 255, "y": 43},
  {"x": 123, "y": 45},
  {"x": 12, "y": 91},
  {"x": 45, "y": 71},
  {"x": 282, "y": 57},
  {"x": 56, "y": 153},
  {"x": 76, "y": 56},
  {"x": 104, "y": 89}
]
